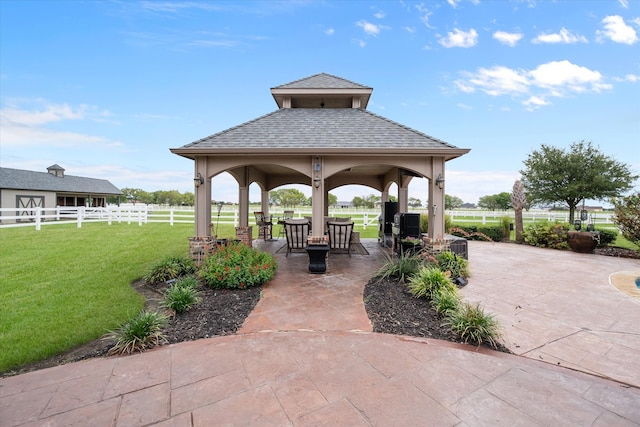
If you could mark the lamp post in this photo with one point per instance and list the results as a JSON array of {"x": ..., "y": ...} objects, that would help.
[{"x": 220, "y": 204}]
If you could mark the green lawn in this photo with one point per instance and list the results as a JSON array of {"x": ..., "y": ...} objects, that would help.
[{"x": 63, "y": 286}]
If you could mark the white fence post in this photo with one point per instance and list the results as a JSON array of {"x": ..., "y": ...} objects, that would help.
[
  {"x": 171, "y": 217},
  {"x": 38, "y": 218},
  {"x": 365, "y": 220},
  {"x": 79, "y": 216}
]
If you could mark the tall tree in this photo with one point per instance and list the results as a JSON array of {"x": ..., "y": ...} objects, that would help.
[
  {"x": 582, "y": 172},
  {"x": 495, "y": 201},
  {"x": 452, "y": 202},
  {"x": 414, "y": 202}
]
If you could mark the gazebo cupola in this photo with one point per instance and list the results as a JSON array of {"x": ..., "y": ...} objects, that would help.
[{"x": 322, "y": 91}]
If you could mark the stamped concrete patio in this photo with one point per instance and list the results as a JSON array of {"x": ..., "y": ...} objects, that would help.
[{"x": 306, "y": 356}]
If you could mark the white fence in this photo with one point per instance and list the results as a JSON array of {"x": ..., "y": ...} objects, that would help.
[{"x": 142, "y": 214}]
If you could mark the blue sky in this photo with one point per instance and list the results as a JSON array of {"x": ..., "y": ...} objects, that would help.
[{"x": 105, "y": 88}]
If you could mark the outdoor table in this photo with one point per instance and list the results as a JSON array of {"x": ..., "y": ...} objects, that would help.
[{"x": 317, "y": 248}]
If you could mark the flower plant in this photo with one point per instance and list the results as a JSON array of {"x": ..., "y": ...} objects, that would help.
[{"x": 237, "y": 266}]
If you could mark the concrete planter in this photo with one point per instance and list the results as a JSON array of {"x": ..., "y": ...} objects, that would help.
[{"x": 583, "y": 242}]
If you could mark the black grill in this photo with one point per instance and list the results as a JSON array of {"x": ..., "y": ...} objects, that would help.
[{"x": 406, "y": 225}]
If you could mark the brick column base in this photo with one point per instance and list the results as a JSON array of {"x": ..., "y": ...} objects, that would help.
[
  {"x": 245, "y": 235},
  {"x": 201, "y": 246}
]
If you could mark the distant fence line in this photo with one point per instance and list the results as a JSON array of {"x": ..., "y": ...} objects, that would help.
[{"x": 143, "y": 214}]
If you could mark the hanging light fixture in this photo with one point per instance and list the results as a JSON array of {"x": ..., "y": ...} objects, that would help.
[
  {"x": 198, "y": 180},
  {"x": 440, "y": 181}
]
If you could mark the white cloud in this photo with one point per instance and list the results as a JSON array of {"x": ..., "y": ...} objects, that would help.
[
  {"x": 624, "y": 3},
  {"x": 616, "y": 30},
  {"x": 359, "y": 42},
  {"x": 564, "y": 74},
  {"x": 20, "y": 127},
  {"x": 369, "y": 28},
  {"x": 424, "y": 15},
  {"x": 633, "y": 78},
  {"x": 510, "y": 39},
  {"x": 459, "y": 38},
  {"x": 411, "y": 30},
  {"x": 329, "y": 31},
  {"x": 496, "y": 81},
  {"x": 47, "y": 114},
  {"x": 552, "y": 79},
  {"x": 564, "y": 36},
  {"x": 379, "y": 15},
  {"x": 535, "y": 102}
]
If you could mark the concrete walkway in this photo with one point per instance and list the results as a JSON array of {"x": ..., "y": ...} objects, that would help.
[{"x": 306, "y": 357}]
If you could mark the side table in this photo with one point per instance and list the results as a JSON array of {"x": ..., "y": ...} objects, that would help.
[{"x": 317, "y": 258}]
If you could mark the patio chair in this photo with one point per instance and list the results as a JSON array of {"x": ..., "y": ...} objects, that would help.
[
  {"x": 285, "y": 216},
  {"x": 340, "y": 233},
  {"x": 297, "y": 232},
  {"x": 264, "y": 225}
]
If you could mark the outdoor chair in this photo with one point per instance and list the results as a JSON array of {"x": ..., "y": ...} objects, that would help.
[
  {"x": 297, "y": 232},
  {"x": 264, "y": 225},
  {"x": 340, "y": 234},
  {"x": 285, "y": 216}
]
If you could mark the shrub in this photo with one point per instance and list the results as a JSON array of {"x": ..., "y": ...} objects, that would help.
[
  {"x": 446, "y": 300},
  {"x": 401, "y": 267},
  {"x": 607, "y": 237},
  {"x": 424, "y": 223},
  {"x": 547, "y": 234},
  {"x": 495, "y": 233},
  {"x": 505, "y": 224},
  {"x": 474, "y": 233},
  {"x": 627, "y": 217},
  {"x": 456, "y": 265},
  {"x": 140, "y": 333},
  {"x": 170, "y": 268},
  {"x": 428, "y": 280},
  {"x": 238, "y": 266},
  {"x": 182, "y": 295},
  {"x": 472, "y": 324}
]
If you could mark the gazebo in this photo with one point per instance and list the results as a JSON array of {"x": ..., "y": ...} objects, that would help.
[{"x": 321, "y": 135}]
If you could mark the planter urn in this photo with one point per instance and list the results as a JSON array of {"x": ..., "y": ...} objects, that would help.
[{"x": 583, "y": 242}]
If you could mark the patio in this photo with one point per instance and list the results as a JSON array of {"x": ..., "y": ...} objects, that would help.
[{"x": 305, "y": 357}]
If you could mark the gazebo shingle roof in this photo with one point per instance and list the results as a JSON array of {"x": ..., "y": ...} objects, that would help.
[{"x": 346, "y": 128}]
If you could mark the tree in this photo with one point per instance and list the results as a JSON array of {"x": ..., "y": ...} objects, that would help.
[
  {"x": 627, "y": 217},
  {"x": 288, "y": 197},
  {"x": 414, "y": 202},
  {"x": 503, "y": 200},
  {"x": 582, "y": 172},
  {"x": 495, "y": 201},
  {"x": 452, "y": 202},
  {"x": 333, "y": 199},
  {"x": 366, "y": 201}
]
